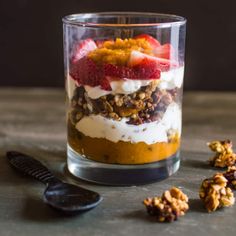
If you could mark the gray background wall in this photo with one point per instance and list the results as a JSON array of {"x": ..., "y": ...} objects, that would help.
[{"x": 31, "y": 51}]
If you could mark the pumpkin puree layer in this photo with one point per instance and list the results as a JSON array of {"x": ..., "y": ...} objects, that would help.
[{"x": 103, "y": 150}]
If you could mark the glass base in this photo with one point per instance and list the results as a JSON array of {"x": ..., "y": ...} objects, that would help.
[{"x": 115, "y": 174}]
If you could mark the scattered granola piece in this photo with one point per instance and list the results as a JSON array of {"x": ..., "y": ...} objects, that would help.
[
  {"x": 224, "y": 156},
  {"x": 221, "y": 146},
  {"x": 215, "y": 193},
  {"x": 230, "y": 175},
  {"x": 169, "y": 206}
]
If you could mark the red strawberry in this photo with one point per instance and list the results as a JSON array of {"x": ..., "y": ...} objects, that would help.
[
  {"x": 153, "y": 42},
  {"x": 146, "y": 69},
  {"x": 118, "y": 71},
  {"x": 86, "y": 72},
  {"x": 165, "y": 51},
  {"x": 163, "y": 64},
  {"x": 105, "y": 84},
  {"x": 83, "y": 49}
]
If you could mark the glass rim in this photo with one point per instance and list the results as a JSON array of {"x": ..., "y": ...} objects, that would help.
[{"x": 77, "y": 19}]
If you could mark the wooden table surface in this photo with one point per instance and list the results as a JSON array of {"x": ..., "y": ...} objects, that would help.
[{"x": 33, "y": 121}]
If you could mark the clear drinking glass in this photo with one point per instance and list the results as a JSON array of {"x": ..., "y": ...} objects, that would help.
[{"x": 124, "y": 78}]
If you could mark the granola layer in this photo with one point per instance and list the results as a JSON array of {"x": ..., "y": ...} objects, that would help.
[{"x": 148, "y": 104}]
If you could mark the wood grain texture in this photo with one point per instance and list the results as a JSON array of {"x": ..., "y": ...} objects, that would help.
[{"x": 33, "y": 121}]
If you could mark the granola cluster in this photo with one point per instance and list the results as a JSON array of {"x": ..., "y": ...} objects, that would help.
[
  {"x": 224, "y": 156},
  {"x": 215, "y": 193},
  {"x": 169, "y": 206},
  {"x": 148, "y": 104},
  {"x": 230, "y": 175}
]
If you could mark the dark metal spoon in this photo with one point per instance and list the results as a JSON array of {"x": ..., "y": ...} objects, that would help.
[{"x": 62, "y": 196}]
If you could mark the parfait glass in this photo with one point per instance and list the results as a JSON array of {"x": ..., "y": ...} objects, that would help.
[{"x": 124, "y": 78}]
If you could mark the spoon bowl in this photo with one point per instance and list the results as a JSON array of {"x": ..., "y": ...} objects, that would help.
[{"x": 70, "y": 198}]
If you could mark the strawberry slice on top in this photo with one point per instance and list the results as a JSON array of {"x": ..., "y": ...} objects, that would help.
[
  {"x": 137, "y": 58},
  {"x": 83, "y": 49},
  {"x": 152, "y": 41},
  {"x": 165, "y": 51}
]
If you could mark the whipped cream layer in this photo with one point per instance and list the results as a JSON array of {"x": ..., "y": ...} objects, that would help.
[
  {"x": 97, "y": 126},
  {"x": 168, "y": 80}
]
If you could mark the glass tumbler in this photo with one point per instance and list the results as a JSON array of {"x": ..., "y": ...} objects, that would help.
[{"x": 124, "y": 78}]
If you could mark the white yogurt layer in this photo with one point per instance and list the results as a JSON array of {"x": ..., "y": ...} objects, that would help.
[
  {"x": 125, "y": 86},
  {"x": 97, "y": 126},
  {"x": 168, "y": 80},
  {"x": 172, "y": 78}
]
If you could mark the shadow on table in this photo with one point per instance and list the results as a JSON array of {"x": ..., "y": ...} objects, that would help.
[
  {"x": 196, "y": 205},
  {"x": 139, "y": 215},
  {"x": 196, "y": 160},
  {"x": 196, "y": 164},
  {"x": 36, "y": 210}
]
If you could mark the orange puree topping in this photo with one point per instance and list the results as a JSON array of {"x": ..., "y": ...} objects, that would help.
[{"x": 118, "y": 52}]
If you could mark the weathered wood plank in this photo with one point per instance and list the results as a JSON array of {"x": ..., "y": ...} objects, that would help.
[{"x": 33, "y": 121}]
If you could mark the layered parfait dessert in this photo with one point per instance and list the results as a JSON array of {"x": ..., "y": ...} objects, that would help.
[{"x": 124, "y": 100}]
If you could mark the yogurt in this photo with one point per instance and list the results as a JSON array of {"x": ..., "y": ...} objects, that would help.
[{"x": 97, "y": 126}]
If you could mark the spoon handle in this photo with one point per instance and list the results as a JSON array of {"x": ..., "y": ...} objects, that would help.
[{"x": 30, "y": 166}]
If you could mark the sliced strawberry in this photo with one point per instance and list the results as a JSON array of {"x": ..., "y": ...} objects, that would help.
[
  {"x": 83, "y": 49},
  {"x": 146, "y": 69},
  {"x": 153, "y": 42},
  {"x": 165, "y": 51},
  {"x": 85, "y": 72},
  {"x": 105, "y": 84},
  {"x": 163, "y": 64},
  {"x": 136, "y": 57},
  {"x": 118, "y": 71}
]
